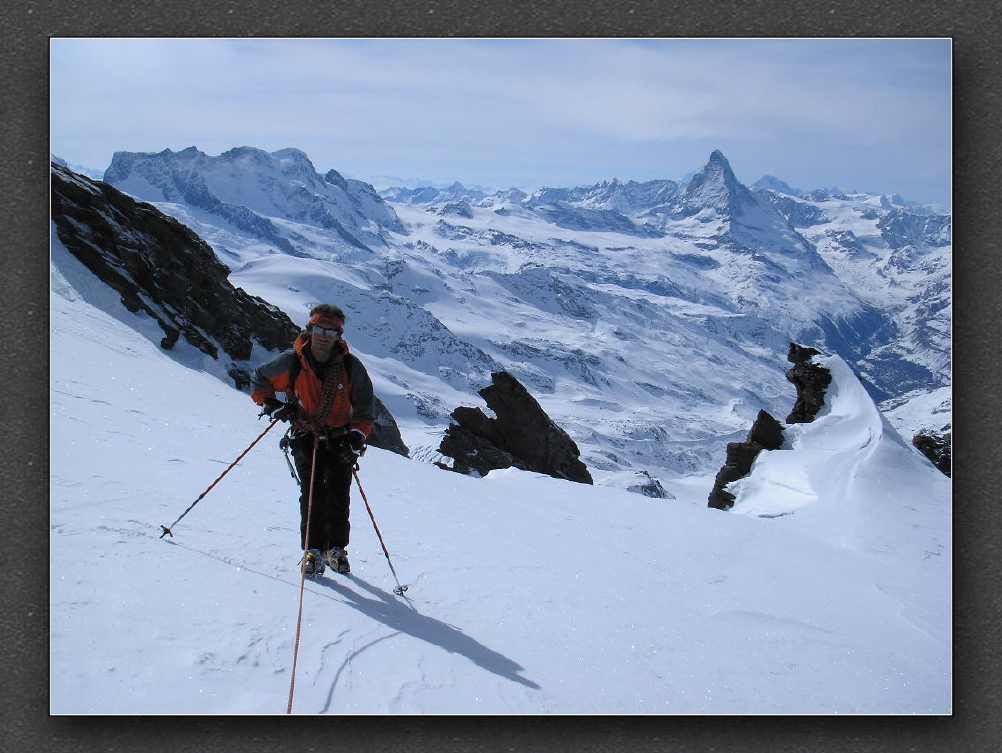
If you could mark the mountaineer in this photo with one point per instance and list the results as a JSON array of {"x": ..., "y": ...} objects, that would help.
[{"x": 330, "y": 406}]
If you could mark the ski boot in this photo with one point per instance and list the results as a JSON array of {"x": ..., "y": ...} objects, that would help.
[
  {"x": 337, "y": 558},
  {"x": 313, "y": 563}
]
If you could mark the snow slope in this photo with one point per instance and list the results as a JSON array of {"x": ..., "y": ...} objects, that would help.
[{"x": 528, "y": 594}]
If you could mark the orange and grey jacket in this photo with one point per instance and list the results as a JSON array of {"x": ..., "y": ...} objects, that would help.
[{"x": 354, "y": 403}]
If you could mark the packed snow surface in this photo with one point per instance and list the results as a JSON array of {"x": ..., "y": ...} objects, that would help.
[{"x": 830, "y": 594}]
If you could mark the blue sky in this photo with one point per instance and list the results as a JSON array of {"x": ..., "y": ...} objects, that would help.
[{"x": 869, "y": 115}]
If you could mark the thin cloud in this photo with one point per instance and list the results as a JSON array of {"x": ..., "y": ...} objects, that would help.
[{"x": 481, "y": 107}]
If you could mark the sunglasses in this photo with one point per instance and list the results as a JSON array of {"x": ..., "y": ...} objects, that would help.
[{"x": 326, "y": 332}]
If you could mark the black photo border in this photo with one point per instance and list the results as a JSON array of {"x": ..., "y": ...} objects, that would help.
[{"x": 27, "y": 27}]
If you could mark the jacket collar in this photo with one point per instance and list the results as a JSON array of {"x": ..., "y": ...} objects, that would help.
[{"x": 302, "y": 347}]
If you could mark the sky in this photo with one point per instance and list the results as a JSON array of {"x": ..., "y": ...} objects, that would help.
[{"x": 861, "y": 114}]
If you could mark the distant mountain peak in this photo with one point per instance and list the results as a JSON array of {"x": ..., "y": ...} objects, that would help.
[
  {"x": 334, "y": 177},
  {"x": 241, "y": 151},
  {"x": 716, "y": 168},
  {"x": 293, "y": 154},
  {"x": 772, "y": 183},
  {"x": 714, "y": 187}
]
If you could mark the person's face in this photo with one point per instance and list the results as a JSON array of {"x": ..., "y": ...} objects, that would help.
[{"x": 322, "y": 339}]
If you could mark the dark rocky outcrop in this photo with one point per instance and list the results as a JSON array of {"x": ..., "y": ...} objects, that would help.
[
  {"x": 766, "y": 434},
  {"x": 521, "y": 436},
  {"x": 457, "y": 208},
  {"x": 650, "y": 487},
  {"x": 936, "y": 447},
  {"x": 386, "y": 434},
  {"x": 811, "y": 382},
  {"x": 160, "y": 267}
]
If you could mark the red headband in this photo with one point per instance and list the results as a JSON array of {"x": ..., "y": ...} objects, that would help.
[{"x": 326, "y": 321}]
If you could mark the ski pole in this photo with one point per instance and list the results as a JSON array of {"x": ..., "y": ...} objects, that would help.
[
  {"x": 167, "y": 529},
  {"x": 399, "y": 590},
  {"x": 284, "y": 444}
]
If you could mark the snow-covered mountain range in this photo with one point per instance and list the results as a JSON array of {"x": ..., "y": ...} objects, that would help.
[
  {"x": 250, "y": 189},
  {"x": 649, "y": 319}
]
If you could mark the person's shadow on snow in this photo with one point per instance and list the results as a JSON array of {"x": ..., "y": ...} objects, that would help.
[{"x": 404, "y": 618}]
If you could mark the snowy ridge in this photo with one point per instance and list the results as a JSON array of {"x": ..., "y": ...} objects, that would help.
[
  {"x": 247, "y": 185},
  {"x": 849, "y": 479},
  {"x": 829, "y": 452}
]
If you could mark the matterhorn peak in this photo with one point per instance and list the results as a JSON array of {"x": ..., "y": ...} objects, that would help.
[
  {"x": 718, "y": 165},
  {"x": 717, "y": 156},
  {"x": 714, "y": 187}
]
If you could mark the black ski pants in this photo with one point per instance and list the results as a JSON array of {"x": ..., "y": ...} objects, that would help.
[{"x": 329, "y": 524}]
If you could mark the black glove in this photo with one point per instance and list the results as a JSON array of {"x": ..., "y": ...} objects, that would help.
[
  {"x": 286, "y": 413},
  {"x": 278, "y": 410},
  {"x": 348, "y": 448},
  {"x": 356, "y": 440}
]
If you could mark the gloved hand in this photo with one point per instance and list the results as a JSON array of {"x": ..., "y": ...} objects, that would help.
[
  {"x": 269, "y": 406},
  {"x": 356, "y": 440},
  {"x": 348, "y": 448},
  {"x": 278, "y": 410},
  {"x": 286, "y": 413}
]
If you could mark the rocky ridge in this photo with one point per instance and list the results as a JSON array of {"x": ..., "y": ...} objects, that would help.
[
  {"x": 811, "y": 382},
  {"x": 766, "y": 433},
  {"x": 937, "y": 447},
  {"x": 161, "y": 268}
]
